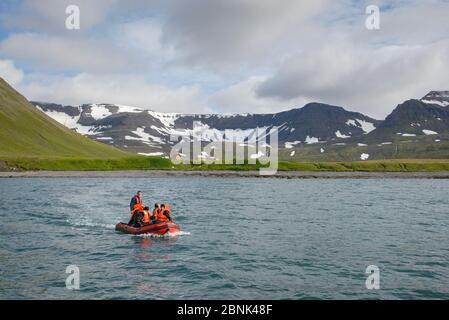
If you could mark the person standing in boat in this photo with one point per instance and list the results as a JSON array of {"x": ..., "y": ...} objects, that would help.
[{"x": 136, "y": 208}]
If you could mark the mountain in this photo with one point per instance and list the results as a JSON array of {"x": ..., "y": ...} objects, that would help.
[
  {"x": 148, "y": 132},
  {"x": 440, "y": 98},
  {"x": 414, "y": 129},
  {"x": 25, "y": 132},
  {"x": 414, "y": 118},
  {"x": 315, "y": 132}
]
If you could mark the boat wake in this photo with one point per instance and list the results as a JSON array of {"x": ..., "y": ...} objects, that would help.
[{"x": 90, "y": 224}]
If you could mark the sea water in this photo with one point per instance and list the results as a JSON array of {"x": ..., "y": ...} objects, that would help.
[{"x": 242, "y": 238}]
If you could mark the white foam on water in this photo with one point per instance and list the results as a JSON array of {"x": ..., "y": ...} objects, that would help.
[
  {"x": 165, "y": 235},
  {"x": 91, "y": 224}
]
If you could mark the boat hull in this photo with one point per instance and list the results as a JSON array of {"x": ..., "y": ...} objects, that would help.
[{"x": 159, "y": 228}]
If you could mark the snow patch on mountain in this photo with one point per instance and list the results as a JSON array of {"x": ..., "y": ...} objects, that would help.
[
  {"x": 440, "y": 103},
  {"x": 99, "y": 112},
  {"x": 338, "y": 134},
  {"x": 364, "y": 156},
  {"x": 289, "y": 145},
  {"x": 312, "y": 140},
  {"x": 152, "y": 154},
  {"x": 128, "y": 109},
  {"x": 167, "y": 119},
  {"x": 429, "y": 132},
  {"x": 366, "y": 126},
  {"x": 144, "y": 137},
  {"x": 62, "y": 117}
]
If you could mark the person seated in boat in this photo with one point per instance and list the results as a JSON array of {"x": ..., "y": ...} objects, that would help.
[
  {"x": 165, "y": 213},
  {"x": 146, "y": 219},
  {"x": 156, "y": 211},
  {"x": 137, "y": 210}
]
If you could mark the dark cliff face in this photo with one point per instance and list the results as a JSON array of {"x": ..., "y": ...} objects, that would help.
[{"x": 414, "y": 116}]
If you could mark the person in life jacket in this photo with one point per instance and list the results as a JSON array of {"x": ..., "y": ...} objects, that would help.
[
  {"x": 146, "y": 219},
  {"x": 156, "y": 211},
  {"x": 137, "y": 209},
  {"x": 164, "y": 214}
]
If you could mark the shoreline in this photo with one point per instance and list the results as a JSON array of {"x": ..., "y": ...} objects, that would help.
[{"x": 227, "y": 174}]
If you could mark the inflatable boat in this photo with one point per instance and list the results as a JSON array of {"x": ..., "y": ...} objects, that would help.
[{"x": 159, "y": 228}]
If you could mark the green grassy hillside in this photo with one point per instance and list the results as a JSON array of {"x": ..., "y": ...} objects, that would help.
[{"x": 27, "y": 132}]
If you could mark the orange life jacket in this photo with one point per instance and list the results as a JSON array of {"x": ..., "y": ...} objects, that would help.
[
  {"x": 156, "y": 212},
  {"x": 137, "y": 208},
  {"x": 146, "y": 217},
  {"x": 161, "y": 216}
]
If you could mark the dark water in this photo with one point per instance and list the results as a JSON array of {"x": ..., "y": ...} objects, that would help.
[{"x": 244, "y": 239}]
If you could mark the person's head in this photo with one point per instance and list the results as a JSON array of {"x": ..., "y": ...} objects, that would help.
[
  {"x": 139, "y": 193},
  {"x": 146, "y": 208},
  {"x": 162, "y": 206},
  {"x": 156, "y": 205}
]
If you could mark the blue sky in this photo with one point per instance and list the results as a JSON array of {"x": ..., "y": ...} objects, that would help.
[{"x": 226, "y": 56}]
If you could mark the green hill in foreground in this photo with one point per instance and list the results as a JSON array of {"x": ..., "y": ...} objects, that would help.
[
  {"x": 25, "y": 131},
  {"x": 29, "y": 139}
]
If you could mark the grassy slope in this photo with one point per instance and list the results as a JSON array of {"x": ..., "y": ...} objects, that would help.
[{"x": 25, "y": 131}]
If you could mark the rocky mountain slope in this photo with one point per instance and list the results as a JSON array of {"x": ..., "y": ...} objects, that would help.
[
  {"x": 148, "y": 132},
  {"x": 314, "y": 132}
]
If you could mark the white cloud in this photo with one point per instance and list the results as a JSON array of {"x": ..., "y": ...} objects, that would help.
[
  {"x": 64, "y": 53},
  {"x": 242, "y": 97},
  {"x": 131, "y": 89},
  {"x": 224, "y": 33},
  {"x": 10, "y": 73},
  {"x": 370, "y": 80}
]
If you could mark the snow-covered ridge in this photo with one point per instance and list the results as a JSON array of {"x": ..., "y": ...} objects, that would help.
[
  {"x": 437, "y": 102},
  {"x": 440, "y": 98}
]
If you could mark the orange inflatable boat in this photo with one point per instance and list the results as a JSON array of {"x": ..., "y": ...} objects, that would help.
[{"x": 159, "y": 228}]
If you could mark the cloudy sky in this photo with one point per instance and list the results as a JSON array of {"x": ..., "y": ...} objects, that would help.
[{"x": 226, "y": 56}]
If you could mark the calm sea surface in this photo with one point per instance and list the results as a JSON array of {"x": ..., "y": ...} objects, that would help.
[{"x": 242, "y": 238}]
